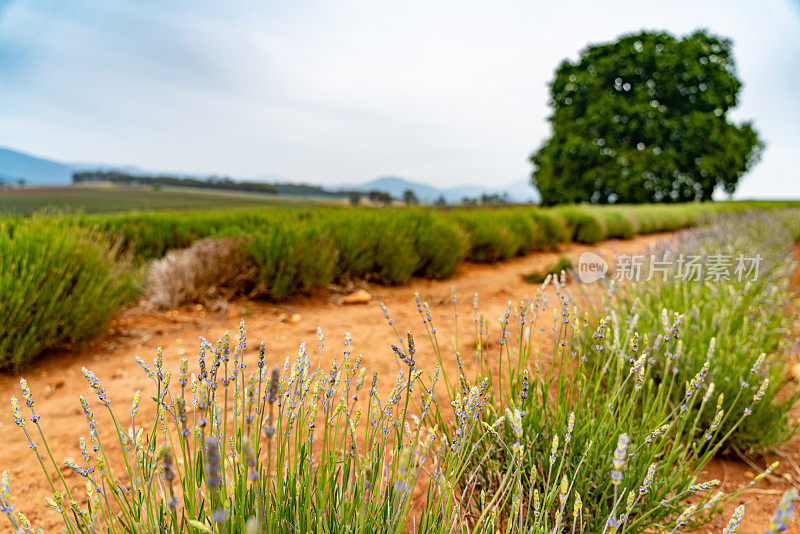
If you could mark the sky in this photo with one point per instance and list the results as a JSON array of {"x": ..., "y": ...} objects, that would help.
[{"x": 443, "y": 92}]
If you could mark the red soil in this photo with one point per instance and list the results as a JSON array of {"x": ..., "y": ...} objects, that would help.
[{"x": 56, "y": 380}]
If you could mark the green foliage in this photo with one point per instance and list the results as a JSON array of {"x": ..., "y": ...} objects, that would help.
[
  {"x": 610, "y": 421},
  {"x": 619, "y": 223},
  {"x": 300, "y": 249},
  {"x": 553, "y": 271},
  {"x": 151, "y": 235},
  {"x": 644, "y": 119},
  {"x": 562, "y": 443},
  {"x": 112, "y": 199},
  {"x": 496, "y": 235},
  {"x": 292, "y": 259},
  {"x": 227, "y": 450},
  {"x": 389, "y": 246},
  {"x": 410, "y": 198},
  {"x": 441, "y": 243},
  {"x": 58, "y": 283},
  {"x": 395, "y": 259},
  {"x": 552, "y": 229},
  {"x": 731, "y": 322},
  {"x": 536, "y": 442},
  {"x": 584, "y": 226},
  {"x": 375, "y": 247}
]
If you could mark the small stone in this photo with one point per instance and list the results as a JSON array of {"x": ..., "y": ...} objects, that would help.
[
  {"x": 358, "y": 297},
  {"x": 794, "y": 372},
  {"x": 294, "y": 318},
  {"x": 749, "y": 474},
  {"x": 59, "y": 384},
  {"x": 48, "y": 390},
  {"x": 119, "y": 373}
]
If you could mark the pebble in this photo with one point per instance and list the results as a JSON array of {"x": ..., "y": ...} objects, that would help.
[
  {"x": 357, "y": 297},
  {"x": 794, "y": 372},
  {"x": 294, "y": 318},
  {"x": 119, "y": 373}
]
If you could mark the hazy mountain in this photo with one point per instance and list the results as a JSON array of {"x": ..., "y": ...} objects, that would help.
[
  {"x": 520, "y": 191},
  {"x": 16, "y": 165},
  {"x": 397, "y": 186}
]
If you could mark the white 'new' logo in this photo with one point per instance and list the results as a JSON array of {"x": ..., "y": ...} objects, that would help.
[{"x": 591, "y": 267}]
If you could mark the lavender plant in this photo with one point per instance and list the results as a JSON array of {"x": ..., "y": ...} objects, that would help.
[
  {"x": 580, "y": 442},
  {"x": 548, "y": 440},
  {"x": 59, "y": 283},
  {"x": 290, "y": 449},
  {"x": 737, "y": 321}
]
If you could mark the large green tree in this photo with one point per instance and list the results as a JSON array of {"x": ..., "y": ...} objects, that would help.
[{"x": 644, "y": 119}]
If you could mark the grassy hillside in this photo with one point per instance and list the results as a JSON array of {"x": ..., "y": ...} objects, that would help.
[{"x": 99, "y": 198}]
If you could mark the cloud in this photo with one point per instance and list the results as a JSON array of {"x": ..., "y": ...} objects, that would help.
[{"x": 446, "y": 92}]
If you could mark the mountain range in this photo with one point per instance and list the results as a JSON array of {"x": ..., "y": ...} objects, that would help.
[
  {"x": 35, "y": 170},
  {"x": 16, "y": 166}
]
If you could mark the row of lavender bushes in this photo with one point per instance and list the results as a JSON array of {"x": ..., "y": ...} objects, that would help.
[
  {"x": 271, "y": 253},
  {"x": 579, "y": 429}
]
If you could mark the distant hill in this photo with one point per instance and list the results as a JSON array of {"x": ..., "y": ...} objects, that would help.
[
  {"x": 15, "y": 165},
  {"x": 520, "y": 191},
  {"x": 396, "y": 187},
  {"x": 34, "y": 170}
]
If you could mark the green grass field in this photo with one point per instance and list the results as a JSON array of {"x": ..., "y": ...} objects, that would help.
[{"x": 114, "y": 199}]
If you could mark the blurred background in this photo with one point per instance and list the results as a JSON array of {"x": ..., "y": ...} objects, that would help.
[{"x": 447, "y": 99}]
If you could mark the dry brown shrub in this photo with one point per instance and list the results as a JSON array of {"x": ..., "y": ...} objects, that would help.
[{"x": 205, "y": 272}]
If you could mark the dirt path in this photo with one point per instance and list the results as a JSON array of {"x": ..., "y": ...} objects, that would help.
[{"x": 56, "y": 378}]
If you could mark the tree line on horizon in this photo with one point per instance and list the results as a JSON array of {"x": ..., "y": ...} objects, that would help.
[{"x": 355, "y": 197}]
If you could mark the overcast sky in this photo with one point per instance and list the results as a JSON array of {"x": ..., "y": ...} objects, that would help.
[{"x": 345, "y": 91}]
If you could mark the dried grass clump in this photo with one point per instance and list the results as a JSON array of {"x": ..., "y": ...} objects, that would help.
[{"x": 209, "y": 269}]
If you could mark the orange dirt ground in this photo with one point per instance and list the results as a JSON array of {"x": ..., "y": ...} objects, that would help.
[{"x": 56, "y": 379}]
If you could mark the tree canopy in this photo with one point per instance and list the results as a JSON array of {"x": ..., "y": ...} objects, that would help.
[{"x": 644, "y": 119}]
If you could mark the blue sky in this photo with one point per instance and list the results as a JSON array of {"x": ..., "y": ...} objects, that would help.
[{"x": 444, "y": 92}]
